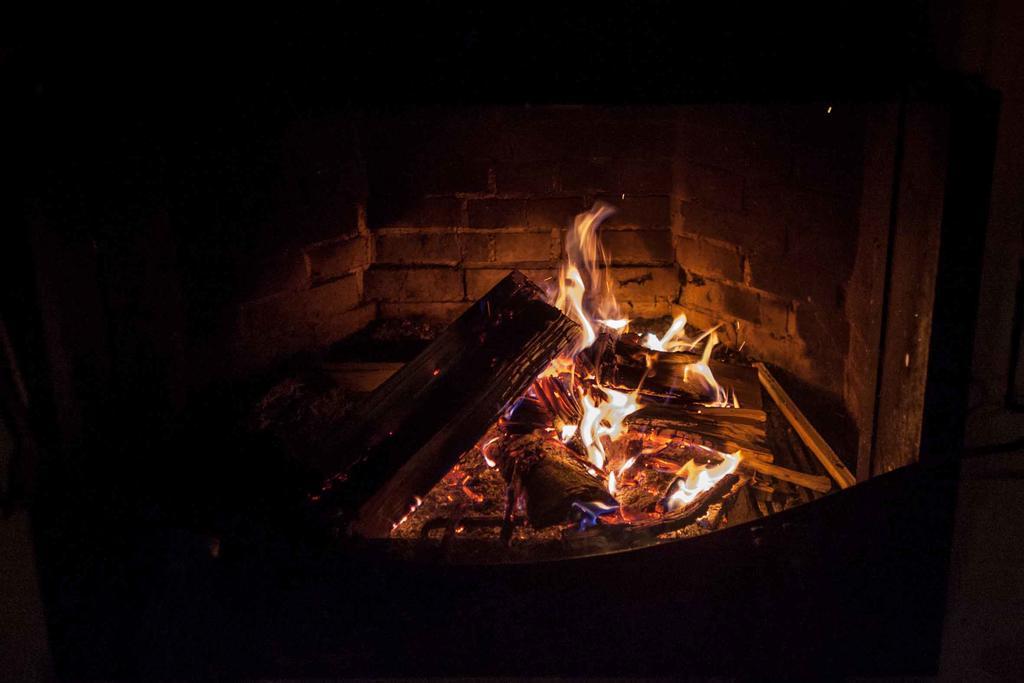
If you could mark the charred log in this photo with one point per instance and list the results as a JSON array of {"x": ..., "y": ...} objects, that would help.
[
  {"x": 550, "y": 476},
  {"x": 414, "y": 427}
]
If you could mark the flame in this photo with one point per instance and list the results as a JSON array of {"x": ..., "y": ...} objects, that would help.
[
  {"x": 694, "y": 479},
  {"x": 615, "y": 324},
  {"x": 568, "y": 431},
  {"x": 700, "y": 373},
  {"x": 584, "y": 288},
  {"x": 655, "y": 344},
  {"x": 585, "y": 294},
  {"x": 604, "y": 419}
]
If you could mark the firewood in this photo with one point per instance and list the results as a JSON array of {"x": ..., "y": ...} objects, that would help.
[
  {"x": 664, "y": 375},
  {"x": 414, "y": 427},
  {"x": 808, "y": 481},
  {"x": 725, "y": 429},
  {"x": 550, "y": 475},
  {"x": 621, "y": 536},
  {"x": 808, "y": 434}
]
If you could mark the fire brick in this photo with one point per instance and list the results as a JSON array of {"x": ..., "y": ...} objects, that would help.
[
  {"x": 645, "y": 176},
  {"x": 727, "y": 149},
  {"x": 329, "y": 260},
  {"x": 740, "y": 302},
  {"x": 639, "y": 212},
  {"x": 722, "y": 298},
  {"x": 775, "y": 315},
  {"x": 701, "y": 257},
  {"x": 459, "y": 175},
  {"x": 435, "y": 212},
  {"x": 589, "y": 175},
  {"x": 289, "y": 272},
  {"x": 266, "y": 336},
  {"x": 300, "y": 313},
  {"x": 712, "y": 187},
  {"x": 516, "y": 247},
  {"x": 497, "y": 213},
  {"x": 419, "y": 247},
  {"x": 646, "y": 284},
  {"x": 794, "y": 279},
  {"x": 479, "y": 282},
  {"x": 413, "y": 284},
  {"x": 766, "y": 235},
  {"x": 477, "y": 247},
  {"x": 638, "y": 246},
  {"x": 442, "y": 311},
  {"x": 553, "y": 212},
  {"x": 533, "y": 177}
]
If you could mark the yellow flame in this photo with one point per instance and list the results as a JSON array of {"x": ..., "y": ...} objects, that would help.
[
  {"x": 585, "y": 294},
  {"x": 568, "y": 431},
  {"x": 700, "y": 373},
  {"x": 694, "y": 479},
  {"x": 655, "y": 344},
  {"x": 604, "y": 419},
  {"x": 584, "y": 288}
]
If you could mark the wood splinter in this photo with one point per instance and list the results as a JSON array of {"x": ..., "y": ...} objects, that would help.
[{"x": 808, "y": 481}]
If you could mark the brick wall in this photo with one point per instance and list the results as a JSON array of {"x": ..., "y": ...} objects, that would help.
[
  {"x": 457, "y": 200},
  {"x": 746, "y": 216},
  {"x": 301, "y": 281},
  {"x": 740, "y": 215}
]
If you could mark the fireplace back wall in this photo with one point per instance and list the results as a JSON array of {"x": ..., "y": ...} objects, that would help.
[{"x": 745, "y": 215}]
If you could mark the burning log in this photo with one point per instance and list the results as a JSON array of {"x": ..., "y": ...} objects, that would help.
[
  {"x": 608, "y": 537},
  {"x": 414, "y": 427},
  {"x": 726, "y": 429},
  {"x": 670, "y": 375},
  {"x": 551, "y": 476}
]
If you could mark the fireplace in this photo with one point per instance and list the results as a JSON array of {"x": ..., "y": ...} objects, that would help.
[
  {"x": 805, "y": 239},
  {"x": 761, "y": 487}
]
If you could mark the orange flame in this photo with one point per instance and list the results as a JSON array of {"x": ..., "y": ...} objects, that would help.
[
  {"x": 694, "y": 479},
  {"x": 585, "y": 294},
  {"x": 584, "y": 288}
]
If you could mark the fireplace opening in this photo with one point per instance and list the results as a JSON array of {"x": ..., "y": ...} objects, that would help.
[
  {"x": 694, "y": 301},
  {"x": 542, "y": 387}
]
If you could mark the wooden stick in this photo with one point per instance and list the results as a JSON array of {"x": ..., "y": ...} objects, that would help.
[
  {"x": 808, "y": 434},
  {"x": 808, "y": 481}
]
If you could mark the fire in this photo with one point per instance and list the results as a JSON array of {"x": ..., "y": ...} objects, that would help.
[
  {"x": 701, "y": 374},
  {"x": 695, "y": 479},
  {"x": 604, "y": 418},
  {"x": 585, "y": 294},
  {"x": 584, "y": 288}
]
